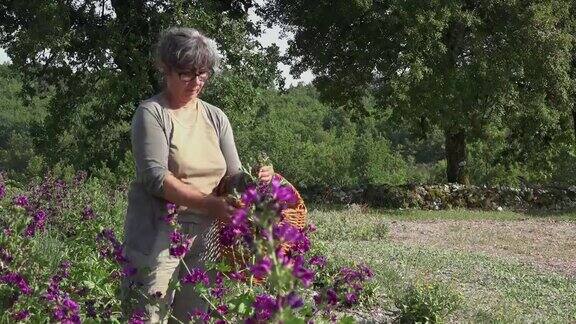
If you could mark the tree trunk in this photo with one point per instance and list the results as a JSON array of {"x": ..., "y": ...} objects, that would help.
[{"x": 456, "y": 157}]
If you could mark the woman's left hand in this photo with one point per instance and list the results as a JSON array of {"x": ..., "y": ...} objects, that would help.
[{"x": 265, "y": 173}]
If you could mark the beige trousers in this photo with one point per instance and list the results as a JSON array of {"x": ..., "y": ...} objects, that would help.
[{"x": 152, "y": 288}]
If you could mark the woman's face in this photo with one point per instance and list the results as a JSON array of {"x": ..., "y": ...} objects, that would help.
[{"x": 186, "y": 85}]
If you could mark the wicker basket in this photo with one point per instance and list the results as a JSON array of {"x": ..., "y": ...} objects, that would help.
[{"x": 294, "y": 213}]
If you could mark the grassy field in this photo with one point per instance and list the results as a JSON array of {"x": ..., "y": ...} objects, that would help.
[{"x": 504, "y": 266}]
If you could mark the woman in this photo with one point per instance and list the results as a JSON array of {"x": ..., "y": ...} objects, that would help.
[{"x": 183, "y": 148}]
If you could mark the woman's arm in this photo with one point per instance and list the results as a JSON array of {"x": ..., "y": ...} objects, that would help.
[{"x": 183, "y": 194}]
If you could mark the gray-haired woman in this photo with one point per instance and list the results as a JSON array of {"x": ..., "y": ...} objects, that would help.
[{"x": 183, "y": 148}]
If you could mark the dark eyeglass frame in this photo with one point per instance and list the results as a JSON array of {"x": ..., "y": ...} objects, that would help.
[{"x": 188, "y": 76}]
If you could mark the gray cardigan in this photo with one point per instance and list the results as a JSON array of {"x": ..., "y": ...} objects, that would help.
[{"x": 152, "y": 132}]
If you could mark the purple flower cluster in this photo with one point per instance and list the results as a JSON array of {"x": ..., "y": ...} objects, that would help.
[
  {"x": 65, "y": 310},
  {"x": 282, "y": 193},
  {"x": 2, "y": 189},
  {"x": 88, "y": 213},
  {"x": 306, "y": 276},
  {"x": 21, "y": 201},
  {"x": 179, "y": 244},
  {"x": 347, "y": 286},
  {"x": 218, "y": 290},
  {"x": 265, "y": 306},
  {"x": 138, "y": 317},
  {"x": 37, "y": 224},
  {"x": 318, "y": 260},
  {"x": 79, "y": 178},
  {"x": 112, "y": 249},
  {"x": 275, "y": 196},
  {"x": 295, "y": 238},
  {"x": 261, "y": 268},
  {"x": 21, "y": 315},
  {"x": 17, "y": 280},
  {"x": 5, "y": 255},
  {"x": 196, "y": 276},
  {"x": 170, "y": 217},
  {"x": 54, "y": 293},
  {"x": 200, "y": 316}
]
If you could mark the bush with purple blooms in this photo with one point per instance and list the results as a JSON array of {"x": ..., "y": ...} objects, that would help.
[
  {"x": 61, "y": 260},
  {"x": 51, "y": 264}
]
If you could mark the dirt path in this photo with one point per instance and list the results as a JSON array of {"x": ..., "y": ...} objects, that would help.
[{"x": 545, "y": 244}]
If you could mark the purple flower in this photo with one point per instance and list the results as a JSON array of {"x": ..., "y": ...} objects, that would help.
[
  {"x": 317, "y": 298},
  {"x": 306, "y": 276},
  {"x": 170, "y": 207},
  {"x": 261, "y": 268},
  {"x": 90, "y": 309},
  {"x": 138, "y": 317},
  {"x": 129, "y": 271},
  {"x": 30, "y": 230},
  {"x": 351, "y": 298},
  {"x": 21, "y": 315},
  {"x": 175, "y": 237},
  {"x": 227, "y": 235},
  {"x": 318, "y": 260},
  {"x": 281, "y": 193},
  {"x": 38, "y": 222},
  {"x": 8, "y": 231},
  {"x": 201, "y": 315},
  {"x": 195, "y": 276},
  {"x": 302, "y": 245},
  {"x": 311, "y": 228},
  {"x": 67, "y": 311},
  {"x": 17, "y": 280},
  {"x": 250, "y": 196},
  {"x": 5, "y": 255},
  {"x": 367, "y": 272},
  {"x": 88, "y": 213},
  {"x": 332, "y": 297},
  {"x": 80, "y": 178},
  {"x": 222, "y": 309},
  {"x": 287, "y": 233},
  {"x": 180, "y": 244},
  {"x": 218, "y": 290},
  {"x": 265, "y": 306},
  {"x": 21, "y": 201},
  {"x": 170, "y": 217},
  {"x": 238, "y": 276},
  {"x": 292, "y": 300},
  {"x": 2, "y": 190}
]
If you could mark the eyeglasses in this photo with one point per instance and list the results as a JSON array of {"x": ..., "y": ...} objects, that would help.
[{"x": 202, "y": 75}]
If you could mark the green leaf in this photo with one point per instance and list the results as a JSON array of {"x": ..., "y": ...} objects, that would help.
[{"x": 347, "y": 320}]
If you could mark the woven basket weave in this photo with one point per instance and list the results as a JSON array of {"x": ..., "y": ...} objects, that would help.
[{"x": 295, "y": 214}]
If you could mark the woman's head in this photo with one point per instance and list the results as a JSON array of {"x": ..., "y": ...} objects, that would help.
[{"x": 186, "y": 58}]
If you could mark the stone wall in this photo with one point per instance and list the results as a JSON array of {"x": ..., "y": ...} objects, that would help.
[{"x": 448, "y": 196}]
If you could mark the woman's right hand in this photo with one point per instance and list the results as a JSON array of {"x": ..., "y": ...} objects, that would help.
[{"x": 218, "y": 207}]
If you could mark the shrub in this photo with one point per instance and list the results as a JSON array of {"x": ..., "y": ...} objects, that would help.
[{"x": 427, "y": 302}]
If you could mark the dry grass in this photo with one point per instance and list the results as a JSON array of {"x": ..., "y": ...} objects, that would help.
[{"x": 545, "y": 244}]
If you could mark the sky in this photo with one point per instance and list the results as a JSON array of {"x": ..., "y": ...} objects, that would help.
[
  {"x": 271, "y": 36},
  {"x": 268, "y": 37},
  {"x": 3, "y": 57}
]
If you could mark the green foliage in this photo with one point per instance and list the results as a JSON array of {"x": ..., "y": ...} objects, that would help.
[
  {"x": 69, "y": 236},
  {"x": 97, "y": 57},
  {"x": 457, "y": 66},
  {"x": 427, "y": 302}
]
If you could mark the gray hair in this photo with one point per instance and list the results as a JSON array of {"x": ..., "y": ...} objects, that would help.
[{"x": 186, "y": 49}]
